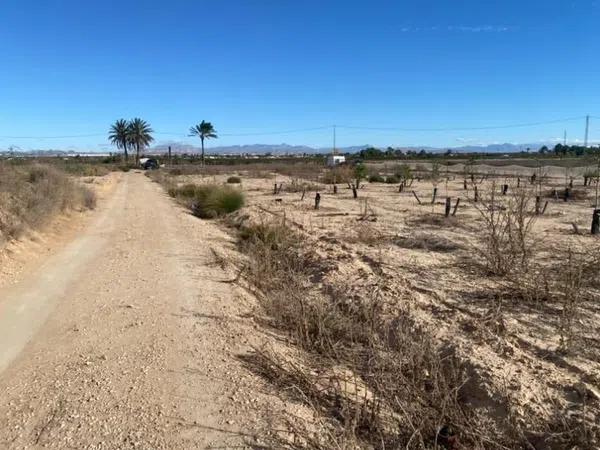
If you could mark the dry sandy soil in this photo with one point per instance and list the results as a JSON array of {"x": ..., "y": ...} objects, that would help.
[
  {"x": 122, "y": 331},
  {"x": 509, "y": 345}
]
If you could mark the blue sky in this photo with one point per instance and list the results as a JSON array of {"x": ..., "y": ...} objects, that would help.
[{"x": 70, "y": 68}]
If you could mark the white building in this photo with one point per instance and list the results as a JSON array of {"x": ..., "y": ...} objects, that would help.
[{"x": 334, "y": 160}]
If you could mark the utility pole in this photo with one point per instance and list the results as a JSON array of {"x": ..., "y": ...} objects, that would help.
[
  {"x": 565, "y": 138},
  {"x": 587, "y": 130},
  {"x": 334, "y": 151}
]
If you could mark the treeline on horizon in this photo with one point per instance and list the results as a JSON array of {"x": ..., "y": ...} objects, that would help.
[{"x": 369, "y": 153}]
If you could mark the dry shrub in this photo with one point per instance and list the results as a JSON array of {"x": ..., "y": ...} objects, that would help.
[
  {"x": 574, "y": 194},
  {"x": 376, "y": 378},
  {"x": 338, "y": 175},
  {"x": 31, "y": 194},
  {"x": 429, "y": 242},
  {"x": 507, "y": 244},
  {"x": 297, "y": 185},
  {"x": 85, "y": 169},
  {"x": 566, "y": 286},
  {"x": 365, "y": 233},
  {"x": 234, "y": 180},
  {"x": 436, "y": 220}
]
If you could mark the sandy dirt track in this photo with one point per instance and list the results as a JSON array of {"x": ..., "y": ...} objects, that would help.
[{"x": 128, "y": 336}]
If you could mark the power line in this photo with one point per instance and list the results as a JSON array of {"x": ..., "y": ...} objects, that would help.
[
  {"x": 303, "y": 130},
  {"x": 490, "y": 127}
]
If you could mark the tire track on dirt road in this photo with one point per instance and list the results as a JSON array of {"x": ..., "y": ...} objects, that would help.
[{"x": 128, "y": 337}]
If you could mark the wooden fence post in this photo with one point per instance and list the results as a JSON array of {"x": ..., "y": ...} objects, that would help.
[
  {"x": 434, "y": 195},
  {"x": 448, "y": 206},
  {"x": 596, "y": 222},
  {"x": 317, "y": 200}
]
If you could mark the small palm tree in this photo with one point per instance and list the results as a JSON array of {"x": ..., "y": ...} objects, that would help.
[
  {"x": 204, "y": 130},
  {"x": 119, "y": 135},
  {"x": 139, "y": 135}
]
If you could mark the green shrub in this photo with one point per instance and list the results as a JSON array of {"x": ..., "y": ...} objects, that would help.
[
  {"x": 234, "y": 180},
  {"x": 376, "y": 178},
  {"x": 187, "y": 191},
  {"x": 208, "y": 201},
  {"x": 392, "y": 179}
]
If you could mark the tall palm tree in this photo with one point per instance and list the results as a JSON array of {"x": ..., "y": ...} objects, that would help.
[
  {"x": 139, "y": 135},
  {"x": 118, "y": 135},
  {"x": 204, "y": 130}
]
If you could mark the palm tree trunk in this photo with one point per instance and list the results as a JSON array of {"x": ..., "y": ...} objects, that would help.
[
  {"x": 125, "y": 152},
  {"x": 202, "y": 157},
  {"x": 137, "y": 153}
]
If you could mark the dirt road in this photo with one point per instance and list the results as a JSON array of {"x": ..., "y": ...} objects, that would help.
[{"x": 128, "y": 337}]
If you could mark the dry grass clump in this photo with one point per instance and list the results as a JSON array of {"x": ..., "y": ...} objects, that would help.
[
  {"x": 338, "y": 175},
  {"x": 85, "y": 169},
  {"x": 559, "y": 193},
  {"x": 426, "y": 241},
  {"x": 208, "y": 201},
  {"x": 437, "y": 221},
  {"x": 30, "y": 195}
]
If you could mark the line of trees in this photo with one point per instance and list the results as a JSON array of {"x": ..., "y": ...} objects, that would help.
[{"x": 136, "y": 134}]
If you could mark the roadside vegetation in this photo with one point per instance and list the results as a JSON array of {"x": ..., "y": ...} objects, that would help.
[
  {"x": 32, "y": 194},
  {"x": 378, "y": 320}
]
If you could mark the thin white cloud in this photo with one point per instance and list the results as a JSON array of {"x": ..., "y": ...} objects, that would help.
[{"x": 460, "y": 29}]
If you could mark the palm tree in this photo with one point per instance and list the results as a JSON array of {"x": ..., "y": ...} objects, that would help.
[
  {"x": 204, "y": 130},
  {"x": 119, "y": 135},
  {"x": 139, "y": 135}
]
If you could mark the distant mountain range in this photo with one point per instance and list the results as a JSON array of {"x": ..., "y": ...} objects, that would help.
[
  {"x": 286, "y": 149},
  {"x": 283, "y": 149}
]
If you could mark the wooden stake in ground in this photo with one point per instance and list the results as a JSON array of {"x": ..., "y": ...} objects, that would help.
[
  {"x": 317, "y": 200},
  {"x": 596, "y": 222},
  {"x": 504, "y": 189},
  {"x": 456, "y": 207},
  {"x": 335, "y": 188},
  {"x": 448, "y": 206},
  {"x": 476, "y": 198},
  {"x": 538, "y": 201},
  {"x": 434, "y": 195},
  {"x": 544, "y": 208},
  {"x": 567, "y": 194},
  {"x": 417, "y": 197},
  {"x": 303, "y": 193},
  {"x": 465, "y": 184},
  {"x": 275, "y": 189}
]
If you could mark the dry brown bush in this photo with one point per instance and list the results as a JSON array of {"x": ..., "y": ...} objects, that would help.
[
  {"x": 426, "y": 241},
  {"x": 374, "y": 376},
  {"x": 31, "y": 194},
  {"x": 507, "y": 243}
]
